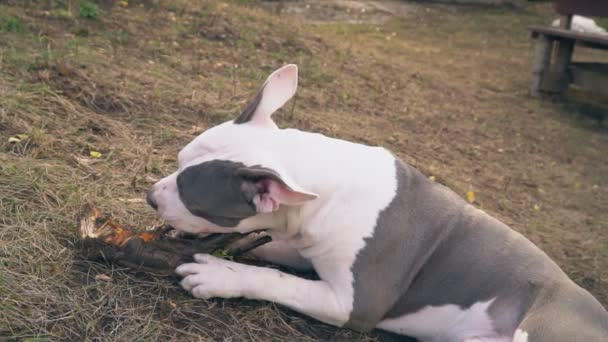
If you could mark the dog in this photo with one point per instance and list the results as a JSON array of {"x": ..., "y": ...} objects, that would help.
[{"x": 393, "y": 249}]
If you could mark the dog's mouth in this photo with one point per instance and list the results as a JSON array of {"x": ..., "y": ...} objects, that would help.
[{"x": 201, "y": 226}]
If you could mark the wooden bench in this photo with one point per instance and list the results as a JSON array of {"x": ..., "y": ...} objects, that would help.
[{"x": 554, "y": 71}]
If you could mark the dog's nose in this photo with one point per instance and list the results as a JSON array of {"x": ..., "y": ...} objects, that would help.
[{"x": 150, "y": 199}]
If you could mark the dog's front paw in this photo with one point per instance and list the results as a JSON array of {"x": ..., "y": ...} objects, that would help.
[{"x": 210, "y": 277}]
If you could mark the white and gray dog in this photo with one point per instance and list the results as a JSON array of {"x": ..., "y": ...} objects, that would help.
[{"x": 393, "y": 250}]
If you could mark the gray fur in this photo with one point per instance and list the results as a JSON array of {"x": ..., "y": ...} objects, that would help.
[
  {"x": 430, "y": 247},
  {"x": 222, "y": 191},
  {"x": 248, "y": 112}
]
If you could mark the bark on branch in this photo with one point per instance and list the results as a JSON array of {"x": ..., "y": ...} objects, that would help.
[{"x": 154, "y": 250}]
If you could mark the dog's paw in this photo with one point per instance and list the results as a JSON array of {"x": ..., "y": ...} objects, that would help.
[{"x": 211, "y": 277}]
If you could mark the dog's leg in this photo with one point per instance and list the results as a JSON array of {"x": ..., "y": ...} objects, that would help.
[
  {"x": 566, "y": 314},
  {"x": 277, "y": 252},
  {"x": 213, "y": 277},
  {"x": 281, "y": 253}
]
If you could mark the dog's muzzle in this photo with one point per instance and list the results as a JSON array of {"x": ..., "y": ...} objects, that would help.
[{"x": 151, "y": 200}]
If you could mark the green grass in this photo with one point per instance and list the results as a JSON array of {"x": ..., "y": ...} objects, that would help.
[
  {"x": 89, "y": 10},
  {"x": 10, "y": 24}
]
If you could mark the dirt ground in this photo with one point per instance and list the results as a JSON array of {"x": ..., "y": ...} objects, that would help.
[{"x": 95, "y": 102}]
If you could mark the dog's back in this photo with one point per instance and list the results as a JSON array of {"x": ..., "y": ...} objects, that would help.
[{"x": 464, "y": 273}]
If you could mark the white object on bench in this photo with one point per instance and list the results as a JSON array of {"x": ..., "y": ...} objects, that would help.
[{"x": 583, "y": 24}]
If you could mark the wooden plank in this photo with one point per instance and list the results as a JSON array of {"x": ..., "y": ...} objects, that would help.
[
  {"x": 592, "y": 8},
  {"x": 591, "y": 40},
  {"x": 574, "y": 35},
  {"x": 562, "y": 61},
  {"x": 542, "y": 59},
  {"x": 557, "y": 79},
  {"x": 590, "y": 76},
  {"x": 565, "y": 21}
]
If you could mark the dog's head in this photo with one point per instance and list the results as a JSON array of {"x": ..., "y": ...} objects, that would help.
[{"x": 226, "y": 174}]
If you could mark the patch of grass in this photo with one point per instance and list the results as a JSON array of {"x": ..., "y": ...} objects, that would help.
[
  {"x": 81, "y": 31},
  {"x": 89, "y": 10},
  {"x": 120, "y": 36},
  {"x": 63, "y": 14},
  {"x": 42, "y": 60},
  {"x": 11, "y": 24}
]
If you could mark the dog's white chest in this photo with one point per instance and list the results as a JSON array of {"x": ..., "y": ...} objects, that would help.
[{"x": 446, "y": 323}]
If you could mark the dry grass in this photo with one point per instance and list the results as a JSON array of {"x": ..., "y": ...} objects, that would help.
[{"x": 446, "y": 88}]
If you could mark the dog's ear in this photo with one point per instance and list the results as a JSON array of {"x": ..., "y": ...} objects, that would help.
[
  {"x": 280, "y": 86},
  {"x": 268, "y": 190}
]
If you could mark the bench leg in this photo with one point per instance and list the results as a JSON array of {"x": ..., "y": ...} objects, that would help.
[
  {"x": 542, "y": 59},
  {"x": 562, "y": 62}
]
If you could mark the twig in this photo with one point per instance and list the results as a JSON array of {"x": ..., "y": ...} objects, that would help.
[{"x": 154, "y": 250}]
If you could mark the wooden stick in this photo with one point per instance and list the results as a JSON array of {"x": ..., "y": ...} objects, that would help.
[
  {"x": 153, "y": 250},
  {"x": 250, "y": 246}
]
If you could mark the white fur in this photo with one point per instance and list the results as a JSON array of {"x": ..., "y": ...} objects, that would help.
[
  {"x": 229, "y": 279},
  {"x": 520, "y": 336},
  {"x": 316, "y": 229},
  {"x": 328, "y": 231},
  {"x": 280, "y": 86},
  {"x": 281, "y": 253},
  {"x": 447, "y": 323},
  {"x": 583, "y": 24}
]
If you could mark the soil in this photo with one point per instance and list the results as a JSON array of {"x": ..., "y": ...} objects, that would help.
[{"x": 346, "y": 11}]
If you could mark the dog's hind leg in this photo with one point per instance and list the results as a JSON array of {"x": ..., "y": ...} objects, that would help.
[{"x": 567, "y": 313}]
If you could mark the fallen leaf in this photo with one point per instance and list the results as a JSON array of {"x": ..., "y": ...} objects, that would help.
[
  {"x": 17, "y": 138},
  {"x": 103, "y": 277},
  {"x": 95, "y": 154},
  {"x": 470, "y": 196}
]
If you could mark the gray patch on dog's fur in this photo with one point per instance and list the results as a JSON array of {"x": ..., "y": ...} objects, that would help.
[
  {"x": 406, "y": 234},
  {"x": 248, "y": 112},
  {"x": 431, "y": 248},
  {"x": 222, "y": 191},
  {"x": 565, "y": 312}
]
